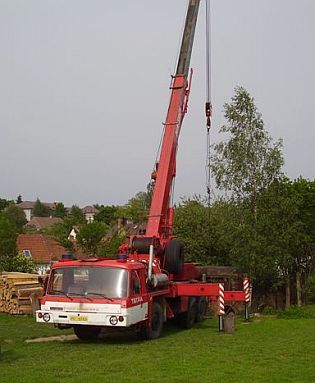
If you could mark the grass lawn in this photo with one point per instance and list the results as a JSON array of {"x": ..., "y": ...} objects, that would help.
[{"x": 268, "y": 349}]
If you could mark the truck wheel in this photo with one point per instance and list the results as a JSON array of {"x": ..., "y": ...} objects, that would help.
[
  {"x": 86, "y": 332},
  {"x": 202, "y": 305},
  {"x": 174, "y": 257},
  {"x": 154, "y": 331},
  {"x": 187, "y": 319}
]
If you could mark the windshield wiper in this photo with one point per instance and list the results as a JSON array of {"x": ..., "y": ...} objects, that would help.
[
  {"x": 61, "y": 292},
  {"x": 101, "y": 295},
  {"x": 84, "y": 295}
]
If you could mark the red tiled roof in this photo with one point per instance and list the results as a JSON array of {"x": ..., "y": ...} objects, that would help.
[
  {"x": 43, "y": 248},
  {"x": 42, "y": 222}
]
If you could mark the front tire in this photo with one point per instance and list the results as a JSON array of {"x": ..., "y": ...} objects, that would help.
[
  {"x": 155, "y": 329},
  {"x": 86, "y": 332}
]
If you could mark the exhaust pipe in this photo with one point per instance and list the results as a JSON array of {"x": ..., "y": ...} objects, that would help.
[{"x": 151, "y": 257}]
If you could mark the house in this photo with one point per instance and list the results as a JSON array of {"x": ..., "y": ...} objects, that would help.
[
  {"x": 28, "y": 207},
  {"x": 43, "y": 249},
  {"x": 39, "y": 223},
  {"x": 123, "y": 228},
  {"x": 89, "y": 213},
  {"x": 73, "y": 233}
]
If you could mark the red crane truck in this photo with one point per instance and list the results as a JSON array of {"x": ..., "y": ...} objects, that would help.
[{"x": 148, "y": 282}]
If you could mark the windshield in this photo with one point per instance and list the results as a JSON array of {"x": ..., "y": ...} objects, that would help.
[{"x": 89, "y": 281}]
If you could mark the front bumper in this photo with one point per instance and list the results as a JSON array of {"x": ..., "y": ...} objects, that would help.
[{"x": 82, "y": 318}]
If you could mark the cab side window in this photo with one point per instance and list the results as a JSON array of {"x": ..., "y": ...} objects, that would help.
[{"x": 135, "y": 283}]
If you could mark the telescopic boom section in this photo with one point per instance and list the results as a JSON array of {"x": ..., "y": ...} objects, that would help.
[{"x": 160, "y": 221}]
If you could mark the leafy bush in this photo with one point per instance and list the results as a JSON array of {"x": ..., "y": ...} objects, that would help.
[
  {"x": 295, "y": 312},
  {"x": 23, "y": 264},
  {"x": 268, "y": 310}
]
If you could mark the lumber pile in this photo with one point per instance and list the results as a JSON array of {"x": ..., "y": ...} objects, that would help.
[{"x": 17, "y": 291}]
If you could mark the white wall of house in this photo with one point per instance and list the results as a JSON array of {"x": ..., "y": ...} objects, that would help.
[
  {"x": 28, "y": 214},
  {"x": 73, "y": 235},
  {"x": 89, "y": 217},
  {"x": 42, "y": 268}
]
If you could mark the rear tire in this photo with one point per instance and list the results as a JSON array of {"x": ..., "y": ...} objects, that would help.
[
  {"x": 187, "y": 319},
  {"x": 202, "y": 306},
  {"x": 86, "y": 332},
  {"x": 174, "y": 257}
]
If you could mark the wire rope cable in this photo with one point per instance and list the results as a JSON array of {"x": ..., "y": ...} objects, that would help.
[
  {"x": 208, "y": 110},
  {"x": 208, "y": 51},
  {"x": 208, "y": 105}
]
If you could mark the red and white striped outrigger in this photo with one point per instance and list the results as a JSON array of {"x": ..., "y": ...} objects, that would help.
[
  {"x": 235, "y": 296},
  {"x": 221, "y": 307},
  {"x": 215, "y": 292}
]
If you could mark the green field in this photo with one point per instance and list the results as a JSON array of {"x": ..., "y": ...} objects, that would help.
[{"x": 266, "y": 350}]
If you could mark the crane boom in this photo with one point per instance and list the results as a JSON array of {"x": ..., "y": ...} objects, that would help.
[
  {"x": 188, "y": 38},
  {"x": 160, "y": 220}
]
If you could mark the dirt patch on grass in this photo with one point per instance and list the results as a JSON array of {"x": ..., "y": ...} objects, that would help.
[
  {"x": 8, "y": 341},
  {"x": 60, "y": 338}
]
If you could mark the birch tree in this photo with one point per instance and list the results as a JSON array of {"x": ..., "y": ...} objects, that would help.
[{"x": 248, "y": 161}]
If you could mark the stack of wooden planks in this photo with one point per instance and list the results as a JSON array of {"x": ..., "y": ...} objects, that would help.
[{"x": 17, "y": 291}]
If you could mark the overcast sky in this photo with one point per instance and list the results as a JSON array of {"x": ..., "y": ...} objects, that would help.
[{"x": 84, "y": 89}]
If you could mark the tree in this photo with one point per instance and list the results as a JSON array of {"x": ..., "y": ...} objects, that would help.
[
  {"x": 60, "y": 210},
  {"x": 192, "y": 213},
  {"x": 247, "y": 246},
  {"x": 287, "y": 222},
  {"x": 224, "y": 218},
  {"x": 90, "y": 236},
  {"x": 110, "y": 247},
  {"x": 4, "y": 203},
  {"x": 60, "y": 231},
  {"x": 17, "y": 216},
  {"x": 40, "y": 209},
  {"x": 137, "y": 208},
  {"x": 278, "y": 248},
  {"x": 302, "y": 244},
  {"x": 8, "y": 249},
  {"x": 76, "y": 217},
  {"x": 244, "y": 166},
  {"x": 19, "y": 199},
  {"x": 247, "y": 162},
  {"x": 106, "y": 214}
]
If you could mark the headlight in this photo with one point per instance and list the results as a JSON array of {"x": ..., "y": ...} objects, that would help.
[
  {"x": 113, "y": 320},
  {"x": 46, "y": 317}
]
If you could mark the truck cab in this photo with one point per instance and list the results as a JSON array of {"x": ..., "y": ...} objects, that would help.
[{"x": 93, "y": 293}]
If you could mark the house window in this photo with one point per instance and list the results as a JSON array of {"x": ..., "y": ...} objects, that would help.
[{"x": 27, "y": 253}]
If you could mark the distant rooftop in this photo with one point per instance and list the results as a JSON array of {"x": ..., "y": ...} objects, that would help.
[
  {"x": 89, "y": 210},
  {"x": 43, "y": 222},
  {"x": 42, "y": 248},
  {"x": 31, "y": 204}
]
